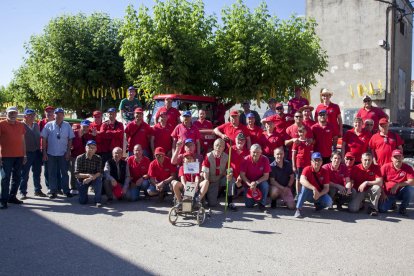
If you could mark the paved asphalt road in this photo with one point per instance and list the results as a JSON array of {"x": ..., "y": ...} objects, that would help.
[{"x": 61, "y": 237}]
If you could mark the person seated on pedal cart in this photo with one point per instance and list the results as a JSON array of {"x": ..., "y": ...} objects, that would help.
[
  {"x": 179, "y": 185},
  {"x": 161, "y": 174}
]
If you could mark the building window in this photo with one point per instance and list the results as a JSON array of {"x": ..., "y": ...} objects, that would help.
[{"x": 402, "y": 27}]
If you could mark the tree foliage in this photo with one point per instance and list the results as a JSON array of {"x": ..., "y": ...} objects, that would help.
[
  {"x": 75, "y": 61},
  {"x": 172, "y": 51}
]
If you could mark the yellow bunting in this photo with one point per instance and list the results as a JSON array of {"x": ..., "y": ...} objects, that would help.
[
  {"x": 351, "y": 91},
  {"x": 360, "y": 90},
  {"x": 371, "y": 89},
  {"x": 380, "y": 86},
  {"x": 83, "y": 93}
]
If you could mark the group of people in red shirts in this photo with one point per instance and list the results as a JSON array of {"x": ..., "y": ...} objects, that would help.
[{"x": 283, "y": 154}]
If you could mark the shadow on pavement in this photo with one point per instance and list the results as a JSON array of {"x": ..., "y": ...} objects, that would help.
[{"x": 33, "y": 245}]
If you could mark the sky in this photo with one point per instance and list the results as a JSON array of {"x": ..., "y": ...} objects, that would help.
[{"x": 20, "y": 19}]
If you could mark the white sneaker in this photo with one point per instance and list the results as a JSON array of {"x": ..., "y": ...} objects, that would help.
[{"x": 298, "y": 214}]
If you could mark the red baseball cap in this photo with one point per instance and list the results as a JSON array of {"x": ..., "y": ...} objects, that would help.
[
  {"x": 267, "y": 119},
  {"x": 117, "y": 190},
  {"x": 278, "y": 105},
  {"x": 349, "y": 155},
  {"x": 256, "y": 194},
  {"x": 49, "y": 107},
  {"x": 234, "y": 113},
  {"x": 139, "y": 110},
  {"x": 97, "y": 113},
  {"x": 159, "y": 150},
  {"x": 383, "y": 121},
  {"x": 396, "y": 152}
]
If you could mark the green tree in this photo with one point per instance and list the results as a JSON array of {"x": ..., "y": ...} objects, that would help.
[
  {"x": 261, "y": 57},
  {"x": 74, "y": 63},
  {"x": 171, "y": 52}
]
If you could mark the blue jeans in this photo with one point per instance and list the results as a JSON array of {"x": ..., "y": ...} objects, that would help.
[
  {"x": 34, "y": 161},
  {"x": 264, "y": 188},
  {"x": 58, "y": 169},
  {"x": 404, "y": 195},
  {"x": 307, "y": 195},
  {"x": 12, "y": 169},
  {"x": 83, "y": 190},
  {"x": 133, "y": 193},
  {"x": 46, "y": 175}
]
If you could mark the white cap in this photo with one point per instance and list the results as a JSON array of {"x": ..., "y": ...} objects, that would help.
[{"x": 12, "y": 109}]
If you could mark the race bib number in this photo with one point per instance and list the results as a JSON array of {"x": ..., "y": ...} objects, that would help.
[{"x": 190, "y": 189}]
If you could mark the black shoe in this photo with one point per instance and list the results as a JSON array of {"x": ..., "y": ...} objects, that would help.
[
  {"x": 262, "y": 208},
  {"x": 318, "y": 207},
  {"x": 40, "y": 194},
  {"x": 339, "y": 207},
  {"x": 23, "y": 197},
  {"x": 69, "y": 195},
  {"x": 59, "y": 192},
  {"x": 3, "y": 205},
  {"x": 14, "y": 200},
  {"x": 403, "y": 212},
  {"x": 52, "y": 195},
  {"x": 233, "y": 207},
  {"x": 394, "y": 206},
  {"x": 273, "y": 205}
]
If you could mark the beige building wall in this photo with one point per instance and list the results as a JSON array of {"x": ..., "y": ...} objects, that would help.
[{"x": 350, "y": 32}]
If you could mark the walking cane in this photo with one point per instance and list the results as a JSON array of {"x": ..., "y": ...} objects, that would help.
[{"x": 227, "y": 179}]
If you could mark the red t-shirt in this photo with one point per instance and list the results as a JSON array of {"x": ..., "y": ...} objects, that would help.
[
  {"x": 357, "y": 144},
  {"x": 173, "y": 115},
  {"x": 359, "y": 174},
  {"x": 138, "y": 134},
  {"x": 161, "y": 172},
  {"x": 162, "y": 136},
  {"x": 206, "y": 163},
  {"x": 323, "y": 139},
  {"x": 375, "y": 114},
  {"x": 236, "y": 159},
  {"x": 255, "y": 134},
  {"x": 296, "y": 103},
  {"x": 112, "y": 136},
  {"x": 383, "y": 146},
  {"x": 303, "y": 153},
  {"x": 332, "y": 112},
  {"x": 280, "y": 122},
  {"x": 254, "y": 170},
  {"x": 138, "y": 169},
  {"x": 98, "y": 137},
  {"x": 337, "y": 176},
  {"x": 393, "y": 176},
  {"x": 323, "y": 176},
  {"x": 206, "y": 124},
  {"x": 269, "y": 142},
  {"x": 231, "y": 131}
]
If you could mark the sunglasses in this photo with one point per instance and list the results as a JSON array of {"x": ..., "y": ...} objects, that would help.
[
  {"x": 322, "y": 115},
  {"x": 298, "y": 116},
  {"x": 348, "y": 158},
  {"x": 369, "y": 124},
  {"x": 367, "y": 101}
]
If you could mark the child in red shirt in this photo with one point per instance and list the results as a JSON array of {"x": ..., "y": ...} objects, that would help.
[{"x": 301, "y": 155}]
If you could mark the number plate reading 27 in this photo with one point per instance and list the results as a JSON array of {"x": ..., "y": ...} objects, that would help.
[{"x": 190, "y": 189}]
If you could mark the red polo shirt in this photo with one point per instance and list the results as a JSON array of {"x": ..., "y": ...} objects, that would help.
[
  {"x": 270, "y": 142},
  {"x": 337, "y": 176},
  {"x": 375, "y": 114},
  {"x": 255, "y": 134},
  {"x": 303, "y": 153},
  {"x": 173, "y": 115},
  {"x": 309, "y": 123},
  {"x": 79, "y": 143},
  {"x": 98, "y": 137},
  {"x": 181, "y": 132},
  {"x": 384, "y": 145},
  {"x": 323, "y": 139},
  {"x": 357, "y": 144},
  {"x": 138, "y": 134},
  {"x": 254, "y": 170},
  {"x": 332, "y": 113},
  {"x": 161, "y": 172},
  {"x": 323, "y": 176},
  {"x": 393, "y": 176},
  {"x": 162, "y": 136},
  {"x": 206, "y": 124},
  {"x": 360, "y": 175},
  {"x": 138, "y": 169},
  {"x": 231, "y": 131},
  {"x": 236, "y": 159},
  {"x": 112, "y": 136},
  {"x": 280, "y": 122},
  {"x": 296, "y": 103},
  {"x": 292, "y": 131}
]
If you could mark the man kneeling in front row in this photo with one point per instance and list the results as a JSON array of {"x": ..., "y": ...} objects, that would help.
[
  {"x": 315, "y": 186},
  {"x": 88, "y": 173}
]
